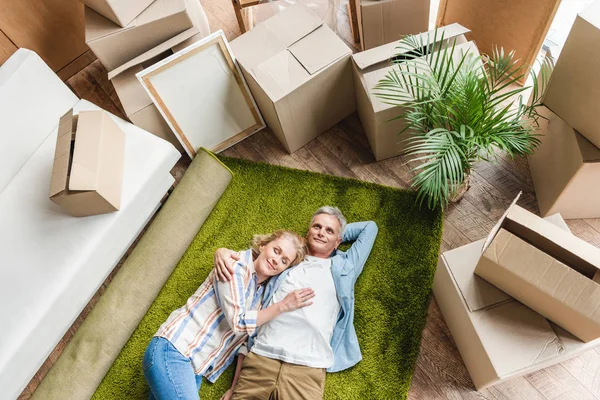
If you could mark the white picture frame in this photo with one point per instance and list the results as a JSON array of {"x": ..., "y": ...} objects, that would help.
[{"x": 202, "y": 95}]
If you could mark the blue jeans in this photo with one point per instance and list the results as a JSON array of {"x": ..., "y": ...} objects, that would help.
[{"x": 169, "y": 374}]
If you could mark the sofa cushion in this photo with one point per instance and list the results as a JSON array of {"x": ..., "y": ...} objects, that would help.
[{"x": 32, "y": 99}]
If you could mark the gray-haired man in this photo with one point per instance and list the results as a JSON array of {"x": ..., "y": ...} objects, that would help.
[{"x": 289, "y": 355}]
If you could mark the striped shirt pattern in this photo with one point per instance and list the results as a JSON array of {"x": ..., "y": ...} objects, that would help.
[{"x": 216, "y": 320}]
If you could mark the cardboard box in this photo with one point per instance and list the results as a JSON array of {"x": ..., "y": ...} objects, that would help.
[
  {"x": 88, "y": 164},
  {"x": 114, "y": 45},
  {"x": 516, "y": 25},
  {"x": 136, "y": 102},
  {"x": 121, "y": 12},
  {"x": 259, "y": 13},
  {"x": 384, "y": 21},
  {"x": 372, "y": 65},
  {"x": 573, "y": 92},
  {"x": 498, "y": 337},
  {"x": 565, "y": 170},
  {"x": 299, "y": 73},
  {"x": 545, "y": 268}
]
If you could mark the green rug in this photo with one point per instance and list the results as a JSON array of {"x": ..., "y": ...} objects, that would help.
[{"x": 392, "y": 293}]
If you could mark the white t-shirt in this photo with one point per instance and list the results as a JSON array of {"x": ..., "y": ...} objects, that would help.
[{"x": 303, "y": 336}]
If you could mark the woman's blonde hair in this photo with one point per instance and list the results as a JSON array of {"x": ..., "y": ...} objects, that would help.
[{"x": 298, "y": 241}]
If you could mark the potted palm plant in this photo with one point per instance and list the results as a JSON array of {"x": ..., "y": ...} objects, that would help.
[{"x": 458, "y": 109}]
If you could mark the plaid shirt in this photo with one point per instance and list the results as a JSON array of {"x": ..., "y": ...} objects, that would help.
[{"x": 216, "y": 320}]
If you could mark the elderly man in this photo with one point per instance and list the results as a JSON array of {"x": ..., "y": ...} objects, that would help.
[{"x": 289, "y": 355}]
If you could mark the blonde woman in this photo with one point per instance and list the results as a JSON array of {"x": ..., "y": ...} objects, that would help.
[{"x": 202, "y": 337}]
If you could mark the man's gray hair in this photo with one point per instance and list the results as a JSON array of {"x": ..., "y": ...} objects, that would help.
[{"x": 334, "y": 211}]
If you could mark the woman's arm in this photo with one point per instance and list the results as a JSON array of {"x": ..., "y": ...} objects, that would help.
[
  {"x": 231, "y": 298},
  {"x": 293, "y": 301}
]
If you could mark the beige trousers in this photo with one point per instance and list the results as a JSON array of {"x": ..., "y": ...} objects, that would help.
[{"x": 263, "y": 378}]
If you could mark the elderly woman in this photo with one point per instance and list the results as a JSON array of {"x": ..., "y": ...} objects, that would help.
[{"x": 202, "y": 337}]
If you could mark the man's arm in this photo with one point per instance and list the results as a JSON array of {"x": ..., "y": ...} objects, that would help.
[{"x": 363, "y": 234}]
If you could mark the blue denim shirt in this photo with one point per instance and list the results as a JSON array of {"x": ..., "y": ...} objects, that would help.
[{"x": 345, "y": 268}]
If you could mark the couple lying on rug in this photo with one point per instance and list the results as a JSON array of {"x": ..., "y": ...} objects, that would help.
[{"x": 295, "y": 345}]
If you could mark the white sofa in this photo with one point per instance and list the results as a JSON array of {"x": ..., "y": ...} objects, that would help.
[{"x": 51, "y": 263}]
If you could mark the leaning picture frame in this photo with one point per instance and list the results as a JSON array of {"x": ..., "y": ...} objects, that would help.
[{"x": 203, "y": 96}]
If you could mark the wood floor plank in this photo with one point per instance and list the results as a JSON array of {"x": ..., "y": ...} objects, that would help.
[
  {"x": 230, "y": 152},
  {"x": 427, "y": 388},
  {"x": 518, "y": 388},
  {"x": 487, "y": 198},
  {"x": 556, "y": 383},
  {"x": 347, "y": 155},
  {"x": 452, "y": 237},
  {"x": 362, "y": 154},
  {"x": 330, "y": 160},
  {"x": 311, "y": 161},
  {"x": 246, "y": 151},
  {"x": 445, "y": 369},
  {"x": 7, "y": 47},
  {"x": 594, "y": 223},
  {"x": 506, "y": 183},
  {"x": 586, "y": 370},
  {"x": 267, "y": 145},
  {"x": 91, "y": 84},
  {"x": 473, "y": 223},
  {"x": 584, "y": 231}
]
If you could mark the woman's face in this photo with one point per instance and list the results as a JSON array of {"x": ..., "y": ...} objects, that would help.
[{"x": 275, "y": 257}]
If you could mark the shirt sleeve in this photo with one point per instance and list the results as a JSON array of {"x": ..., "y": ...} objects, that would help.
[
  {"x": 243, "y": 349},
  {"x": 363, "y": 234},
  {"x": 231, "y": 296}
]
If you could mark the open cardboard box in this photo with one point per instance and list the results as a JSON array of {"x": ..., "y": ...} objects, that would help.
[
  {"x": 498, "y": 337},
  {"x": 565, "y": 170},
  {"x": 384, "y": 21},
  {"x": 372, "y": 65},
  {"x": 87, "y": 174},
  {"x": 546, "y": 268},
  {"x": 573, "y": 92},
  {"x": 298, "y": 72},
  {"x": 121, "y": 12},
  {"x": 114, "y": 45}
]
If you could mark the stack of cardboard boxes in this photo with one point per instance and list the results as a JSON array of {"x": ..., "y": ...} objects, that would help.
[
  {"x": 566, "y": 167},
  {"x": 524, "y": 299},
  {"x": 127, "y": 35}
]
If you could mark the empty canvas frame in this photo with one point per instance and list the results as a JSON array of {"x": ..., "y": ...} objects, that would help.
[{"x": 203, "y": 96}]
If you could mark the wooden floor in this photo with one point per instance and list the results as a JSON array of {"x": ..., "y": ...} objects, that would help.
[{"x": 344, "y": 151}]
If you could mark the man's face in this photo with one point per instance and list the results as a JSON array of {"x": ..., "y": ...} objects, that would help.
[{"x": 323, "y": 235}]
